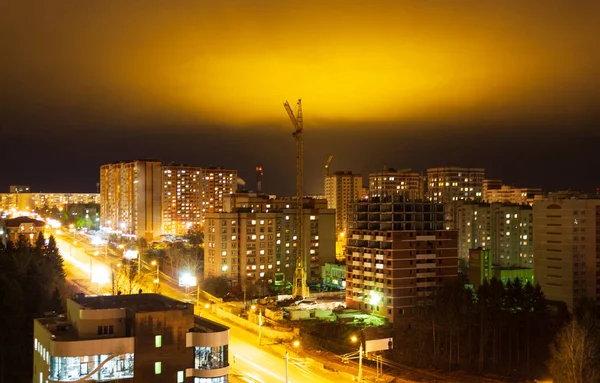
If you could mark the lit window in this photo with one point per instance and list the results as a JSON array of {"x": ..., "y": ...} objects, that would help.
[
  {"x": 157, "y": 368},
  {"x": 180, "y": 376},
  {"x": 312, "y": 217},
  {"x": 158, "y": 341}
]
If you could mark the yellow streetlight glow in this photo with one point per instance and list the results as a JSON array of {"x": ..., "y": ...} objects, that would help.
[
  {"x": 153, "y": 263},
  {"x": 296, "y": 343},
  {"x": 253, "y": 307},
  {"x": 354, "y": 338}
]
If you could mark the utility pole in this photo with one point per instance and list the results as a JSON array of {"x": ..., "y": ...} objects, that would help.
[
  {"x": 287, "y": 360},
  {"x": 299, "y": 287},
  {"x": 360, "y": 356}
]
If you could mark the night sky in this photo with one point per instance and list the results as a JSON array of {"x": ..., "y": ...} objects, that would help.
[{"x": 512, "y": 86}]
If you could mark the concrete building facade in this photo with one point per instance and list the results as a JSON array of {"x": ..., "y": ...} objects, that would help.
[
  {"x": 504, "y": 229},
  {"x": 181, "y": 198},
  {"x": 391, "y": 182},
  {"x": 567, "y": 248},
  {"x": 259, "y": 246},
  {"x": 398, "y": 253},
  {"x": 129, "y": 338},
  {"x": 509, "y": 194},
  {"x": 450, "y": 185},
  {"x": 34, "y": 202},
  {"x": 131, "y": 198},
  {"x": 341, "y": 190},
  {"x": 217, "y": 184}
]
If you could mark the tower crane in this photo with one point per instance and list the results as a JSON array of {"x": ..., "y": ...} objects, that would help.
[
  {"x": 259, "y": 174},
  {"x": 299, "y": 287},
  {"x": 327, "y": 165}
]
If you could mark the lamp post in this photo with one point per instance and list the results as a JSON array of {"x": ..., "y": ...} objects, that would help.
[
  {"x": 157, "y": 280},
  {"x": 287, "y": 360},
  {"x": 360, "y": 356}
]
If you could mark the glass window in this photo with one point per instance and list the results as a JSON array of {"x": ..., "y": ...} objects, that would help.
[
  {"x": 209, "y": 358},
  {"x": 158, "y": 341},
  {"x": 157, "y": 368},
  {"x": 180, "y": 376}
]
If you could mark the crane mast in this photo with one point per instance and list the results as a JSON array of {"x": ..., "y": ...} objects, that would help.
[
  {"x": 327, "y": 165},
  {"x": 299, "y": 287}
]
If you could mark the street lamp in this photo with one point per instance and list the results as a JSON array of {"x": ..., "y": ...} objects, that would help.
[
  {"x": 355, "y": 339},
  {"x": 287, "y": 359},
  {"x": 157, "y": 280}
]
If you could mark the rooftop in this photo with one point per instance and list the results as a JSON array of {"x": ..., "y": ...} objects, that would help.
[
  {"x": 16, "y": 222},
  {"x": 205, "y": 325},
  {"x": 134, "y": 302}
]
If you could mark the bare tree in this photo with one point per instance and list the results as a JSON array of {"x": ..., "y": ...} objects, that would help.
[
  {"x": 128, "y": 280},
  {"x": 574, "y": 355}
]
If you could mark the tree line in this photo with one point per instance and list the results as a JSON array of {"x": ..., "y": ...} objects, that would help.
[
  {"x": 506, "y": 329},
  {"x": 32, "y": 282}
]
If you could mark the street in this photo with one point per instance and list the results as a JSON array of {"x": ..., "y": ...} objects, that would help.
[{"x": 248, "y": 361}]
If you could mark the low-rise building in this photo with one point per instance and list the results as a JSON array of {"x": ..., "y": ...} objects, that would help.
[
  {"x": 334, "y": 275},
  {"x": 129, "y": 338},
  {"x": 12, "y": 229}
]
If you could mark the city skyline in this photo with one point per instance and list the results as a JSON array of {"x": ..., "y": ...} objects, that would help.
[{"x": 510, "y": 87}]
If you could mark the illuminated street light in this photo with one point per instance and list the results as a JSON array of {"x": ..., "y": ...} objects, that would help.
[
  {"x": 154, "y": 263},
  {"x": 287, "y": 359},
  {"x": 354, "y": 339}
]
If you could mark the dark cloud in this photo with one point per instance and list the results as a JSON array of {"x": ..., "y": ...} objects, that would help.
[{"x": 512, "y": 86}]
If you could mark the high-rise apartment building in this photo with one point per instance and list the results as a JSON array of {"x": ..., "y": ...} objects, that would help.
[
  {"x": 131, "y": 198},
  {"x": 218, "y": 183},
  {"x": 147, "y": 199},
  {"x": 398, "y": 253},
  {"x": 341, "y": 190},
  {"x": 133, "y": 338},
  {"x": 567, "y": 248},
  {"x": 391, "y": 182},
  {"x": 450, "y": 185},
  {"x": 504, "y": 229},
  {"x": 181, "y": 198},
  {"x": 258, "y": 244}
]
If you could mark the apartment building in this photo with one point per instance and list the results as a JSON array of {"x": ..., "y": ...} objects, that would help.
[
  {"x": 495, "y": 193},
  {"x": 341, "y": 190},
  {"x": 504, "y": 229},
  {"x": 449, "y": 185},
  {"x": 131, "y": 198},
  {"x": 398, "y": 253},
  {"x": 218, "y": 183},
  {"x": 182, "y": 198},
  {"x": 391, "y": 182},
  {"x": 129, "y": 338},
  {"x": 34, "y": 202},
  {"x": 258, "y": 244},
  {"x": 567, "y": 247}
]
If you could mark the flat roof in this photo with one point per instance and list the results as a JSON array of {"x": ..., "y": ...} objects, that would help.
[
  {"x": 204, "y": 325},
  {"x": 134, "y": 302}
]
